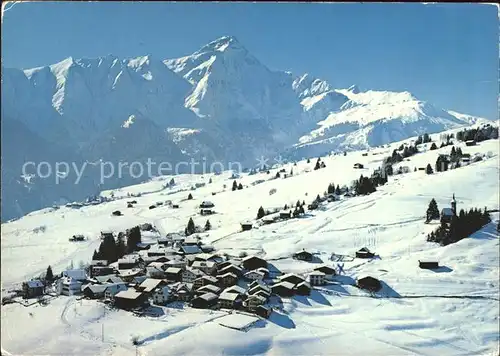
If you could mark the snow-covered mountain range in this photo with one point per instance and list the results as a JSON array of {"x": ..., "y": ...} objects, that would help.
[{"x": 220, "y": 103}]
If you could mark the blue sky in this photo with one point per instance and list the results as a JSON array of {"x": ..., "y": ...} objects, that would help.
[{"x": 445, "y": 53}]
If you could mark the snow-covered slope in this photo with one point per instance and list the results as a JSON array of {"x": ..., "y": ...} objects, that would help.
[
  {"x": 451, "y": 312},
  {"x": 373, "y": 118},
  {"x": 233, "y": 106}
]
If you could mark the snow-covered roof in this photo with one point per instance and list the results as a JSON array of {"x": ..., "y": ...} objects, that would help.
[
  {"x": 208, "y": 296},
  {"x": 34, "y": 284},
  {"x": 287, "y": 285},
  {"x": 203, "y": 264},
  {"x": 173, "y": 270},
  {"x": 235, "y": 289},
  {"x": 289, "y": 275},
  {"x": 258, "y": 297},
  {"x": 110, "y": 277},
  {"x": 149, "y": 284},
  {"x": 260, "y": 273},
  {"x": 316, "y": 273},
  {"x": 128, "y": 294},
  {"x": 78, "y": 274},
  {"x": 229, "y": 296},
  {"x": 210, "y": 288},
  {"x": 191, "y": 249},
  {"x": 228, "y": 274}
]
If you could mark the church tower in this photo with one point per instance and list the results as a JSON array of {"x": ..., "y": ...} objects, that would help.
[{"x": 454, "y": 205}]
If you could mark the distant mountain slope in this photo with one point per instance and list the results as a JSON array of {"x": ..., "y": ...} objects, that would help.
[{"x": 220, "y": 103}]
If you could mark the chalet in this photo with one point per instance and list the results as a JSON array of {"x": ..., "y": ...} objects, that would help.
[
  {"x": 470, "y": 143},
  {"x": 231, "y": 269},
  {"x": 204, "y": 301},
  {"x": 113, "y": 289},
  {"x": 163, "y": 241},
  {"x": 207, "y": 205},
  {"x": 183, "y": 291},
  {"x": 303, "y": 256},
  {"x": 317, "y": 278},
  {"x": 283, "y": 289},
  {"x": 257, "y": 286},
  {"x": 263, "y": 270},
  {"x": 302, "y": 289},
  {"x": 358, "y": 166},
  {"x": 263, "y": 293},
  {"x": 77, "y": 238},
  {"x": 331, "y": 198},
  {"x": 190, "y": 250},
  {"x": 291, "y": 278},
  {"x": 364, "y": 253},
  {"x": 99, "y": 268},
  {"x": 132, "y": 202},
  {"x": 229, "y": 300},
  {"x": 253, "y": 301},
  {"x": 263, "y": 311},
  {"x": 428, "y": 264},
  {"x": 138, "y": 280},
  {"x": 173, "y": 274},
  {"x": 253, "y": 262},
  {"x": 150, "y": 284},
  {"x": 255, "y": 275},
  {"x": 189, "y": 275},
  {"x": 33, "y": 289},
  {"x": 94, "y": 291},
  {"x": 364, "y": 154},
  {"x": 421, "y": 168},
  {"x": 207, "y": 248},
  {"x": 206, "y": 212},
  {"x": 117, "y": 213},
  {"x": 207, "y": 267},
  {"x": 152, "y": 207},
  {"x": 161, "y": 295},
  {"x": 76, "y": 274},
  {"x": 313, "y": 206},
  {"x": 129, "y": 274},
  {"x": 245, "y": 226},
  {"x": 328, "y": 271},
  {"x": 236, "y": 290},
  {"x": 191, "y": 241},
  {"x": 69, "y": 286},
  {"x": 128, "y": 262},
  {"x": 129, "y": 299},
  {"x": 227, "y": 279},
  {"x": 129, "y": 205},
  {"x": 222, "y": 264},
  {"x": 110, "y": 278},
  {"x": 207, "y": 257},
  {"x": 175, "y": 206},
  {"x": 146, "y": 227},
  {"x": 285, "y": 214},
  {"x": 209, "y": 288},
  {"x": 204, "y": 280},
  {"x": 369, "y": 283},
  {"x": 177, "y": 263}
]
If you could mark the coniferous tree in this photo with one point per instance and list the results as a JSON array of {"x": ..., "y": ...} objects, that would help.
[
  {"x": 190, "y": 196},
  {"x": 210, "y": 180},
  {"x": 49, "y": 276},
  {"x": 95, "y": 256},
  {"x": 240, "y": 186},
  {"x": 428, "y": 169},
  {"x": 121, "y": 247},
  {"x": 190, "y": 229},
  {"x": 303, "y": 202},
  {"x": 317, "y": 166},
  {"x": 261, "y": 213},
  {"x": 433, "y": 146},
  {"x": 291, "y": 172},
  {"x": 426, "y": 138},
  {"x": 432, "y": 211},
  {"x": 318, "y": 198},
  {"x": 301, "y": 210},
  {"x": 208, "y": 226},
  {"x": 285, "y": 207},
  {"x": 235, "y": 186},
  {"x": 133, "y": 238},
  {"x": 337, "y": 190},
  {"x": 308, "y": 160},
  {"x": 278, "y": 175},
  {"x": 297, "y": 205},
  {"x": 331, "y": 188}
]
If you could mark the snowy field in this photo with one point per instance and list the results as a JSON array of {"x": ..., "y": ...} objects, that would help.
[{"x": 452, "y": 311}]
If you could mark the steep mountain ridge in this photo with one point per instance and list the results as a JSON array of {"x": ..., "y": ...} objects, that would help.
[{"x": 220, "y": 103}]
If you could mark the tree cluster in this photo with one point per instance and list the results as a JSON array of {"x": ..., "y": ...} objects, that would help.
[
  {"x": 332, "y": 190},
  {"x": 461, "y": 226},
  {"x": 236, "y": 186},
  {"x": 423, "y": 139},
  {"x": 319, "y": 164},
  {"x": 486, "y": 132},
  {"x": 190, "y": 228}
]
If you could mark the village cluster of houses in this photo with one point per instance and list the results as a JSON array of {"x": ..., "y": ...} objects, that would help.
[{"x": 180, "y": 268}]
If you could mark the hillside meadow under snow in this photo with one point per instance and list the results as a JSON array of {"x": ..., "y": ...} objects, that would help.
[{"x": 450, "y": 312}]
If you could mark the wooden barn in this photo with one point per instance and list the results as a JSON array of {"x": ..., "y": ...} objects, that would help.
[
  {"x": 428, "y": 264},
  {"x": 253, "y": 262},
  {"x": 303, "y": 256},
  {"x": 364, "y": 253},
  {"x": 369, "y": 283}
]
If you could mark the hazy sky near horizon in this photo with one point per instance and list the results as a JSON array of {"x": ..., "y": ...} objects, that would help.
[{"x": 444, "y": 53}]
